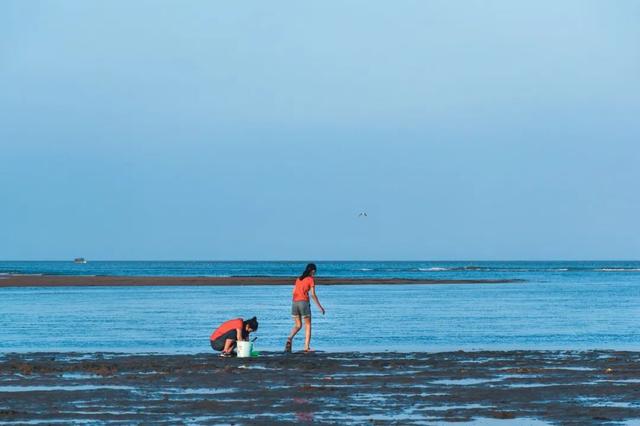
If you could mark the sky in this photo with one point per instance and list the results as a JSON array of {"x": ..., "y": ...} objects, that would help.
[{"x": 253, "y": 130}]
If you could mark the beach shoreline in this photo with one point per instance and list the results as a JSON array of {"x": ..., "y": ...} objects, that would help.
[
  {"x": 136, "y": 281},
  {"x": 534, "y": 387}
]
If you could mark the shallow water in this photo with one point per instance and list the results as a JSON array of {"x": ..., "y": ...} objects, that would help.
[{"x": 574, "y": 309}]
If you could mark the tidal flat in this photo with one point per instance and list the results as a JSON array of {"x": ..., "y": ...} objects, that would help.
[{"x": 525, "y": 387}]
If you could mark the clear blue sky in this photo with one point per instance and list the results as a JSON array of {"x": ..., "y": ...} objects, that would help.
[{"x": 259, "y": 130}]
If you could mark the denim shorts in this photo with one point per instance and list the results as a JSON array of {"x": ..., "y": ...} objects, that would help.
[{"x": 301, "y": 309}]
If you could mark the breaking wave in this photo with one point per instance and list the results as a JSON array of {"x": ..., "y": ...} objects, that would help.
[{"x": 618, "y": 269}]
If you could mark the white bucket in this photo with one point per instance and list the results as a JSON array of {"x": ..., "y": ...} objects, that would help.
[{"x": 244, "y": 349}]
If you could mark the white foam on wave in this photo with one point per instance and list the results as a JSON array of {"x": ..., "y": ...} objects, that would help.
[
  {"x": 618, "y": 269},
  {"x": 23, "y": 275},
  {"x": 433, "y": 269}
]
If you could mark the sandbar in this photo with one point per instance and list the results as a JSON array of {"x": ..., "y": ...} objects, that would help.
[{"x": 122, "y": 281}]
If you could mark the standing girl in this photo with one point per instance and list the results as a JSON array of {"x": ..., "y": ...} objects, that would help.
[{"x": 301, "y": 308}]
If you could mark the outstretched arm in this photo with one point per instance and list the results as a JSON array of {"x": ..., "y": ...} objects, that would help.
[{"x": 315, "y": 299}]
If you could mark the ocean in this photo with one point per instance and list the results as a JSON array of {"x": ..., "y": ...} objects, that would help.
[{"x": 560, "y": 305}]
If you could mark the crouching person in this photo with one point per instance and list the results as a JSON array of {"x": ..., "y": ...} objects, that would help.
[{"x": 224, "y": 338}]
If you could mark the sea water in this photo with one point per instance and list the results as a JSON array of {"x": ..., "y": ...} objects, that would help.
[{"x": 560, "y": 305}]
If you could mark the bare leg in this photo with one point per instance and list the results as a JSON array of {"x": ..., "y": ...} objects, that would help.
[
  {"x": 228, "y": 345},
  {"x": 296, "y": 327},
  {"x": 307, "y": 331}
]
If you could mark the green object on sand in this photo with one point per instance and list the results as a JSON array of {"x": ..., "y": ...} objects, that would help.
[{"x": 255, "y": 353}]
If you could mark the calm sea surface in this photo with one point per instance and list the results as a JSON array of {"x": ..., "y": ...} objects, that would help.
[{"x": 562, "y": 305}]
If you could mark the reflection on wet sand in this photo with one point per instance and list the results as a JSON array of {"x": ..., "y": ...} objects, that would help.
[{"x": 531, "y": 386}]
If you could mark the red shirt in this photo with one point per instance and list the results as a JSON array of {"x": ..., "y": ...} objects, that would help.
[
  {"x": 301, "y": 289},
  {"x": 227, "y": 327}
]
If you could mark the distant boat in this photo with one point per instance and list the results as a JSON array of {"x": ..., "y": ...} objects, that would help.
[{"x": 79, "y": 260}]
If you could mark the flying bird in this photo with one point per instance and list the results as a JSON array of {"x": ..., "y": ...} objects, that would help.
[{"x": 363, "y": 214}]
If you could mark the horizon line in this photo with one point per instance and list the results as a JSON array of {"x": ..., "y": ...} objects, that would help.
[{"x": 322, "y": 260}]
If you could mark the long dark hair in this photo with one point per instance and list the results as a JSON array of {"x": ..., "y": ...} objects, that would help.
[
  {"x": 253, "y": 323},
  {"x": 307, "y": 271}
]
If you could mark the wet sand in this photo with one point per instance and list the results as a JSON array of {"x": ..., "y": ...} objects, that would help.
[
  {"x": 116, "y": 281},
  {"x": 581, "y": 388}
]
